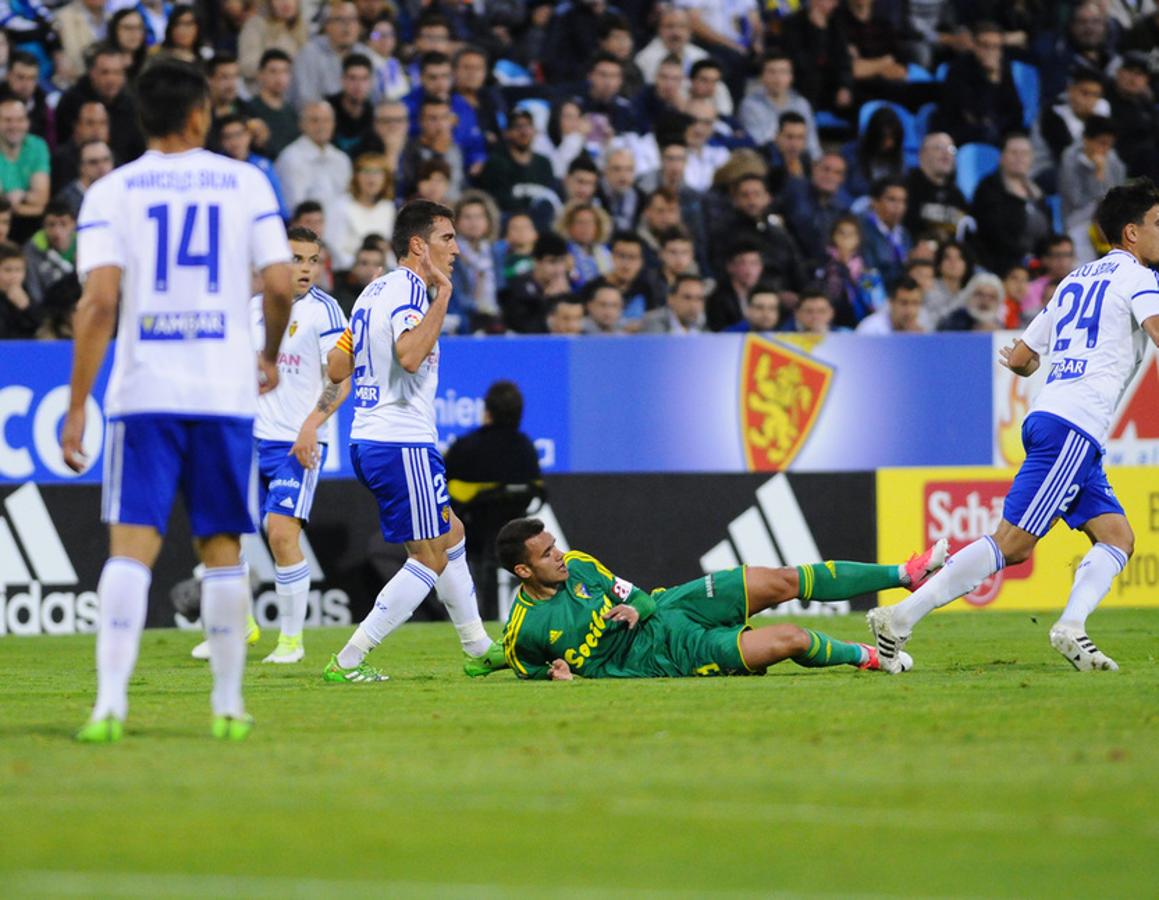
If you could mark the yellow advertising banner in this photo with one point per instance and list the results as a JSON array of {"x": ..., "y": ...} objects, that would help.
[{"x": 916, "y": 507}]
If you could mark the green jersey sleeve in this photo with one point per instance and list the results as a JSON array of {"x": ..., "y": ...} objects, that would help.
[
  {"x": 521, "y": 645},
  {"x": 621, "y": 590}
]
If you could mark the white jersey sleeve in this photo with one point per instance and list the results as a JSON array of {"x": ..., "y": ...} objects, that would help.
[
  {"x": 1145, "y": 300},
  {"x": 98, "y": 244},
  {"x": 1037, "y": 334},
  {"x": 410, "y": 307}
]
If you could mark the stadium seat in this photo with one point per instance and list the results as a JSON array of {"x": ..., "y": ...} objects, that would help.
[
  {"x": 1054, "y": 203},
  {"x": 912, "y": 141},
  {"x": 940, "y": 72},
  {"x": 540, "y": 112},
  {"x": 1027, "y": 84},
  {"x": 922, "y": 121},
  {"x": 916, "y": 74},
  {"x": 975, "y": 162}
]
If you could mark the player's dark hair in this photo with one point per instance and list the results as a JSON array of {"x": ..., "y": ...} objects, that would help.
[
  {"x": 304, "y": 235},
  {"x": 906, "y": 283},
  {"x": 59, "y": 209},
  {"x": 356, "y": 61},
  {"x": 504, "y": 402},
  {"x": 9, "y": 250},
  {"x": 1125, "y": 205},
  {"x": 416, "y": 219},
  {"x": 274, "y": 54},
  {"x": 511, "y": 542},
  {"x": 168, "y": 92}
]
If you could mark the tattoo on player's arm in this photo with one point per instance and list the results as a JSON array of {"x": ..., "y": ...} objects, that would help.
[{"x": 329, "y": 395}]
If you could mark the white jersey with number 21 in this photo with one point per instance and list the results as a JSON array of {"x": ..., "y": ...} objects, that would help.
[
  {"x": 1090, "y": 337},
  {"x": 186, "y": 230}
]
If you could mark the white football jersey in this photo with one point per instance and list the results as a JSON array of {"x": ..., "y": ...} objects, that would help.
[
  {"x": 392, "y": 405},
  {"x": 186, "y": 230},
  {"x": 316, "y": 323},
  {"x": 1090, "y": 337}
]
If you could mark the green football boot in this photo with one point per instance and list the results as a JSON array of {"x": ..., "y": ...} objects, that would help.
[
  {"x": 362, "y": 672},
  {"x": 491, "y": 660},
  {"x": 231, "y": 728},
  {"x": 108, "y": 730}
]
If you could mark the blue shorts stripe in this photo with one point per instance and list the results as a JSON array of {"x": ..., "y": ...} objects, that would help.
[
  {"x": 424, "y": 472},
  {"x": 1032, "y": 510},
  {"x": 1073, "y": 461},
  {"x": 411, "y": 492}
]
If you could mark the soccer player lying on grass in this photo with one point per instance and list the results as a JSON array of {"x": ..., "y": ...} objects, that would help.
[{"x": 573, "y": 617}]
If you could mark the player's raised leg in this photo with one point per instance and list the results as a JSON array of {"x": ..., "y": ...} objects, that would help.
[
  {"x": 764, "y": 647},
  {"x": 1112, "y": 542}
]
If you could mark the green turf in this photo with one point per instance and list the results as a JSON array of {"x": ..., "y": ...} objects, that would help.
[{"x": 993, "y": 769}]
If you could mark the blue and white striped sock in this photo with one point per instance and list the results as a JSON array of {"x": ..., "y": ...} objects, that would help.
[
  {"x": 963, "y": 572},
  {"x": 394, "y": 605},
  {"x": 1092, "y": 581},
  {"x": 292, "y": 584}
]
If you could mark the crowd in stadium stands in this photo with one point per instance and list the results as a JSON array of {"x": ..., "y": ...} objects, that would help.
[{"x": 696, "y": 165}]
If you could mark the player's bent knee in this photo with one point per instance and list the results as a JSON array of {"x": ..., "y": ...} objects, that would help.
[{"x": 768, "y": 587}]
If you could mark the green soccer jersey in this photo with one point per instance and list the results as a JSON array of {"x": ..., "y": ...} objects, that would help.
[{"x": 570, "y": 625}]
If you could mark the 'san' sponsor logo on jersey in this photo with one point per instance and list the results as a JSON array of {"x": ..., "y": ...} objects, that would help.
[
  {"x": 1066, "y": 369},
  {"x": 781, "y": 394},
  {"x": 962, "y": 512},
  {"x": 202, "y": 325},
  {"x": 581, "y": 591},
  {"x": 366, "y": 395}
]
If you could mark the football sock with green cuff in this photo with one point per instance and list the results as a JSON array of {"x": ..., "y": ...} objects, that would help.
[
  {"x": 840, "y": 580},
  {"x": 826, "y": 651}
]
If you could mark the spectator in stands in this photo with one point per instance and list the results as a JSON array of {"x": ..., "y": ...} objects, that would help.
[
  {"x": 706, "y": 82},
  {"x": 390, "y": 78},
  {"x": 582, "y": 183},
  {"x": 615, "y": 34},
  {"x": 24, "y": 166},
  {"x": 885, "y": 240},
  {"x": 312, "y": 168},
  {"x": 814, "y": 312},
  {"x": 1143, "y": 34},
  {"x": 57, "y": 311},
  {"x": 660, "y": 214},
  {"x": 660, "y": 106},
  {"x": 19, "y": 316},
  {"x": 953, "y": 268},
  {"x": 743, "y": 265},
  {"x": 155, "y": 14},
  {"x": 901, "y": 315},
  {"x": 705, "y": 149},
  {"x": 933, "y": 201},
  {"x": 432, "y": 34},
  {"x": 1087, "y": 42},
  {"x": 470, "y": 83},
  {"x": 821, "y": 60},
  {"x": 96, "y": 161},
  {"x": 1088, "y": 170},
  {"x": 369, "y": 263},
  {"x": 476, "y": 275},
  {"x": 638, "y": 288},
  {"x": 1057, "y": 256},
  {"x": 390, "y": 133},
  {"x": 435, "y": 140},
  {"x": 763, "y": 106},
  {"x": 237, "y": 143},
  {"x": 565, "y": 315},
  {"x": 275, "y": 25},
  {"x": 878, "y": 55},
  {"x": 1015, "y": 282},
  {"x": 50, "y": 254},
  {"x": 22, "y": 82},
  {"x": 1134, "y": 113},
  {"x": 365, "y": 207},
  {"x": 104, "y": 82},
  {"x": 1061, "y": 124},
  {"x": 91, "y": 124},
  {"x": 763, "y": 313},
  {"x": 604, "y": 305},
  {"x": 979, "y": 101},
  {"x": 854, "y": 290},
  {"x": 676, "y": 258},
  {"x": 609, "y": 112},
  {"x": 318, "y": 65},
  {"x": 435, "y": 82},
  {"x": 622, "y": 199},
  {"x": 570, "y": 38},
  {"x": 519, "y": 179},
  {"x": 271, "y": 103},
  {"x": 127, "y": 33},
  {"x": 877, "y": 153},
  {"x": 979, "y": 308},
  {"x": 80, "y": 24},
  {"x": 752, "y": 216},
  {"x": 731, "y": 32},
  {"x": 684, "y": 311},
  {"x": 812, "y": 207},
  {"x": 935, "y": 25},
  {"x": 673, "y": 163},
  {"x": 789, "y": 159},
  {"x": 353, "y": 113},
  {"x": 5, "y": 217},
  {"x": 183, "y": 36},
  {"x": 673, "y": 38},
  {"x": 433, "y": 182},
  {"x": 586, "y": 228},
  {"x": 224, "y": 81},
  {"x": 514, "y": 251},
  {"x": 567, "y": 131},
  {"x": 1009, "y": 208},
  {"x": 527, "y": 298}
]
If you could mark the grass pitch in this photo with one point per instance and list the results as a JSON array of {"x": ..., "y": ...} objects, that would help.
[{"x": 991, "y": 770}]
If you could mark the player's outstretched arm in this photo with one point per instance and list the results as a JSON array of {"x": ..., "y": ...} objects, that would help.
[
  {"x": 96, "y": 316},
  {"x": 1019, "y": 359},
  {"x": 277, "y": 298},
  {"x": 306, "y": 446}
]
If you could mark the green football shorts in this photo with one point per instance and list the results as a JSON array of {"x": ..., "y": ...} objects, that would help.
[{"x": 703, "y": 621}]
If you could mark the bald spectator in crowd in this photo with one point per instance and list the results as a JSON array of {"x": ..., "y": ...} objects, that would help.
[
  {"x": 934, "y": 204},
  {"x": 104, "y": 82},
  {"x": 96, "y": 161},
  {"x": 312, "y": 168}
]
